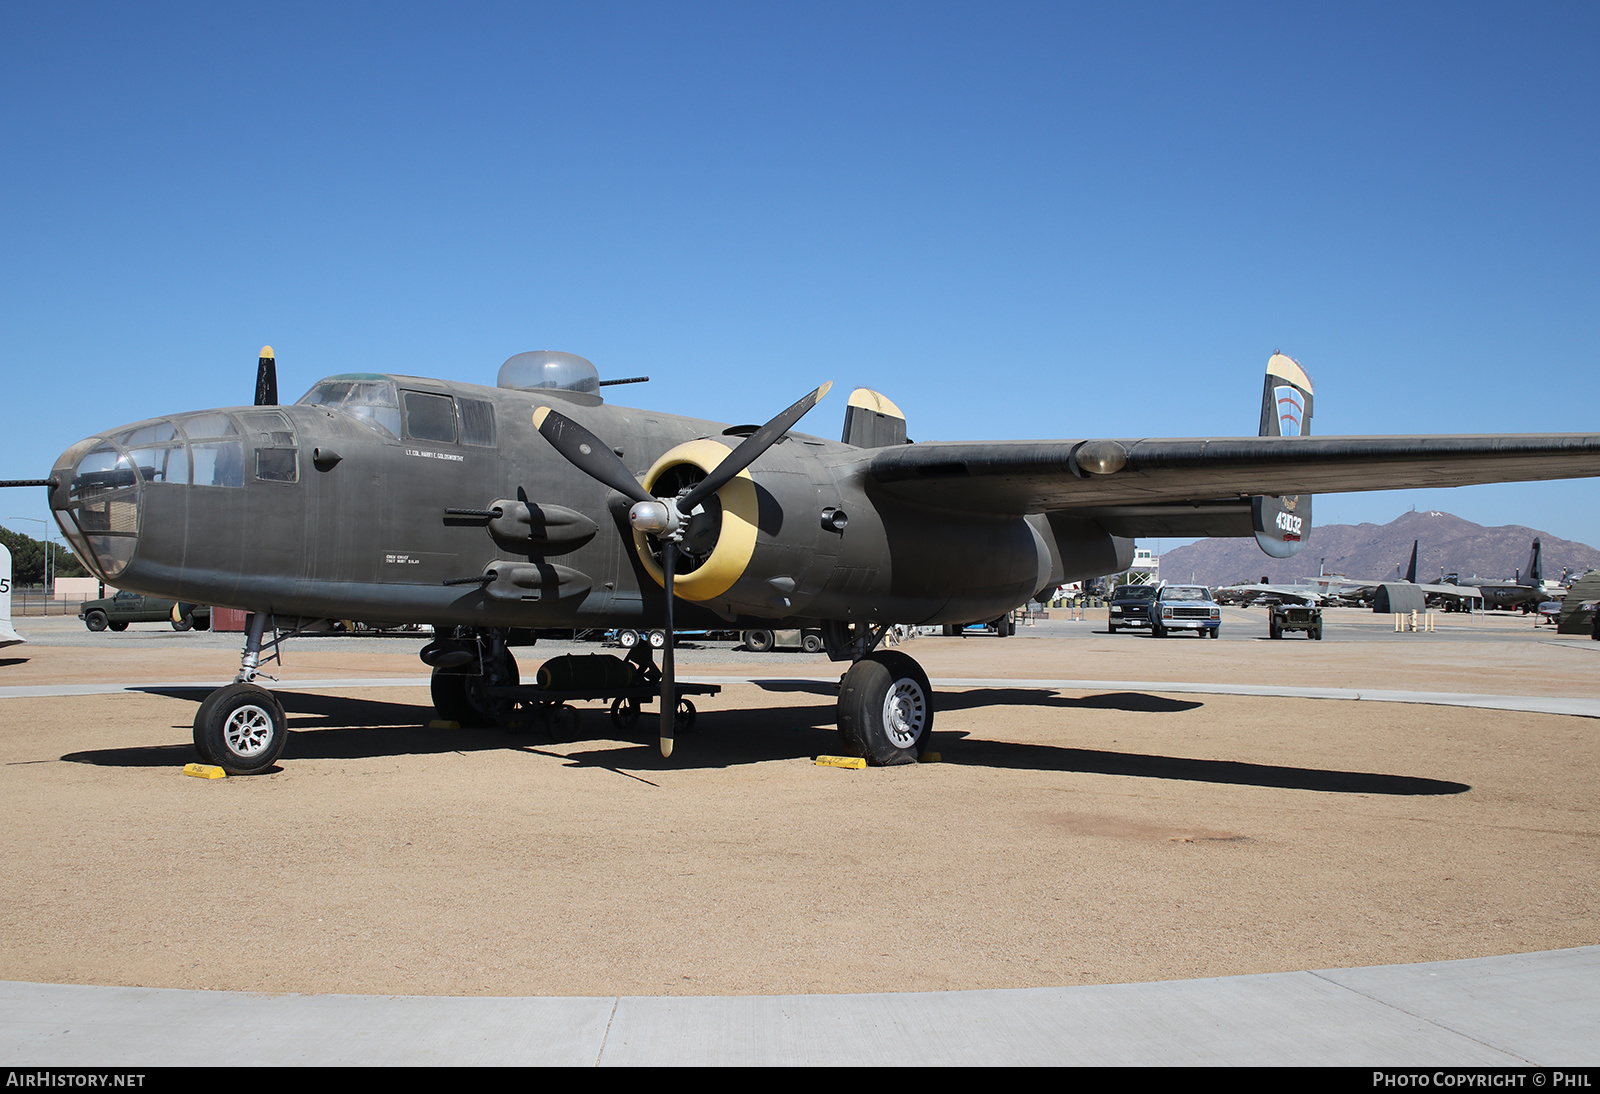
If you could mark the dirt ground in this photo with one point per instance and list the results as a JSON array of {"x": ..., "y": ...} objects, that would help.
[{"x": 1074, "y": 837}]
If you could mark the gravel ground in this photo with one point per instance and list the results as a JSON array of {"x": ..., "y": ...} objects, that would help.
[{"x": 1076, "y": 837}]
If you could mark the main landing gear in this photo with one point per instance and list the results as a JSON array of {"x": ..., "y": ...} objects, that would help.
[
  {"x": 885, "y": 710},
  {"x": 466, "y": 664},
  {"x": 885, "y": 701},
  {"x": 241, "y": 728}
]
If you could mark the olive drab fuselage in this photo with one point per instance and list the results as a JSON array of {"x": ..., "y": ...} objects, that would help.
[{"x": 331, "y": 513}]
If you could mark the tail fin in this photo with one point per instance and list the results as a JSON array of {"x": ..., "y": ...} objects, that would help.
[
  {"x": 1282, "y": 524},
  {"x": 8, "y": 637},
  {"x": 1411, "y": 571},
  {"x": 1535, "y": 571},
  {"x": 872, "y": 421}
]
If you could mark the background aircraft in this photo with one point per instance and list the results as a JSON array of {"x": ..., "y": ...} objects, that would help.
[
  {"x": 1525, "y": 591},
  {"x": 534, "y": 504}
]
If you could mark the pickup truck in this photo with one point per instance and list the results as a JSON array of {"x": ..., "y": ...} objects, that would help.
[
  {"x": 1185, "y": 608},
  {"x": 116, "y": 612},
  {"x": 1130, "y": 606}
]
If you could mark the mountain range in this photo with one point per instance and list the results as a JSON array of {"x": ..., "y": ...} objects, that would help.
[{"x": 1381, "y": 552}]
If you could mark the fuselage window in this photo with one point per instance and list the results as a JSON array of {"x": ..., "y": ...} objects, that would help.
[
  {"x": 430, "y": 417},
  {"x": 276, "y": 465},
  {"x": 477, "y": 421},
  {"x": 219, "y": 463}
]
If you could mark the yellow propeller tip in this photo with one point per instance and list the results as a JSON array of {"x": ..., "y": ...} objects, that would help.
[
  {"x": 539, "y": 415},
  {"x": 266, "y": 351},
  {"x": 666, "y": 748},
  {"x": 822, "y": 392}
]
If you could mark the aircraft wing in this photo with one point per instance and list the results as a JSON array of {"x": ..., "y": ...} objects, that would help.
[
  {"x": 1202, "y": 487},
  {"x": 1293, "y": 594},
  {"x": 1463, "y": 592}
]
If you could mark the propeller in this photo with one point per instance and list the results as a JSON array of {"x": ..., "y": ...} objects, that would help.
[
  {"x": 267, "y": 378},
  {"x": 663, "y": 519}
]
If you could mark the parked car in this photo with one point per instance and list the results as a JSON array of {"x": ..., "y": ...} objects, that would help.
[
  {"x": 1185, "y": 608},
  {"x": 116, "y": 612},
  {"x": 1130, "y": 606}
]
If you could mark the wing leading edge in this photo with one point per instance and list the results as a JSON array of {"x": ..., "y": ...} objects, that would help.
[{"x": 1202, "y": 487}]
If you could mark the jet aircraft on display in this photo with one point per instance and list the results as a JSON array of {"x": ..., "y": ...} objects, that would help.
[{"x": 490, "y": 512}]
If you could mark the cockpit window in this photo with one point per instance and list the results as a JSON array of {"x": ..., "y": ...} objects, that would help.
[
  {"x": 369, "y": 397},
  {"x": 477, "y": 421},
  {"x": 430, "y": 417}
]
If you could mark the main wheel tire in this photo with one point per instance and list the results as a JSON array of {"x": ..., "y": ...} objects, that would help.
[
  {"x": 464, "y": 699},
  {"x": 759, "y": 641},
  {"x": 812, "y": 643},
  {"x": 241, "y": 729},
  {"x": 885, "y": 709},
  {"x": 184, "y": 624},
  {"x": 120, "y": 625},
  {"x": 95, "y": 621}
]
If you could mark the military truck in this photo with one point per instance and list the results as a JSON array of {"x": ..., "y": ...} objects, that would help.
[{"x": 116, "y": 612}]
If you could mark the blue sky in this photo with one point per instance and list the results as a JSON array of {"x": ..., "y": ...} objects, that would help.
[{"x": 1015, "y": 220}]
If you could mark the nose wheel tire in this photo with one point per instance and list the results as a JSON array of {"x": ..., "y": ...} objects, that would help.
[
  {"x": 885, "y": 709},
  {"x": 241, "y": 729}
]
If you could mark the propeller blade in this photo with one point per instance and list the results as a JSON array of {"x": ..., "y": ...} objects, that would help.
[
  {"x": 588, "y": 453},
  {"x": 267, "y": 378},
  {"x": 748, "y": 452},
  {"x": 669, "y": 695}
]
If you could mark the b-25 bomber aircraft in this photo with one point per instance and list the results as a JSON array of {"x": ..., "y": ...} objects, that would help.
[{"x": 536, "y": 504}]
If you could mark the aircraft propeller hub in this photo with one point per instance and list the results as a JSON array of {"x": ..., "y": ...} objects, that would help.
[{"x": 656, "y": 518}]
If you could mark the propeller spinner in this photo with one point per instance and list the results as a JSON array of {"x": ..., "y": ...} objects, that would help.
[{"x": 663, "y": 519}]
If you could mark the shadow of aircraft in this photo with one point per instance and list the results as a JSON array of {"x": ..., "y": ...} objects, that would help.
[{"x": 335, "y": 727}]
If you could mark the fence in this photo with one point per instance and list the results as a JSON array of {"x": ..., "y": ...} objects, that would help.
[{"x": 33, "y": 600}]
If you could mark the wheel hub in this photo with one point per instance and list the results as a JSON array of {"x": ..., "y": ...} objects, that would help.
[
  {"x": 248, "y": 731},
  {"x": 905, "y": 713}
]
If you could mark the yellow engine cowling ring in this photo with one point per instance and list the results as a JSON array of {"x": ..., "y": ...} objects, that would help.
[{"x": 736, "y": 542}]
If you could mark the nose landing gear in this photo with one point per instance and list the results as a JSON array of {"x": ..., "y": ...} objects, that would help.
[{"x": 241, "y": 728}]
